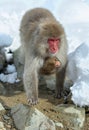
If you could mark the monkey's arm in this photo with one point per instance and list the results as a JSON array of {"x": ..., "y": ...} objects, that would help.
[
  {"x": 60, "y": 73},
  {"x": 60, "y": 77},
  {"x": 30, "y": 79}
]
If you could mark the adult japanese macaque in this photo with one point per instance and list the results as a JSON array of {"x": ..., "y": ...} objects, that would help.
[{"x": 42, "y": 38}]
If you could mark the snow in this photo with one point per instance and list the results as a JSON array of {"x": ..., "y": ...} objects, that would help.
[
  {"x": 15, "y": 44},
  {"x": 78, "y": 72},
  {"x": 78, "y": 62},
  {"x": 10, "y": 69},
  {"x": 75, "y": 18},
  {"x": 5, "y": 40},
  {"x": 80, "y": 92},
  {"x": 10, "y": 78},
  {"x": 10, "y": 75},
  {"x": 76, "y": 10},
  {"x": 8, "y": 55}
]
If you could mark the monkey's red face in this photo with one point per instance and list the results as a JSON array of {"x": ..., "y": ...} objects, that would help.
[{"x": 53, "y": 45}]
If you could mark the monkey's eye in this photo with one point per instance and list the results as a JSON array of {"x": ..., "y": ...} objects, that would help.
[
  {"x": 53, "y": 41},
  {"x": 56, "y": 59},
  {"x": 58, "y": 40}
]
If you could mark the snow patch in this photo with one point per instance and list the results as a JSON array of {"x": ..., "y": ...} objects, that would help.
[
  {"x": 78, "y": 72},
  {"x": 10, "y": 69},
  {"x": 5, "y": 40},
  {"x": 10, "y": 78}
]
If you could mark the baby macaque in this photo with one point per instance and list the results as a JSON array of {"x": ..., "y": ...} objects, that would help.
[
  {"x": 43, "y": 38},
  {"x": 50, "y": 65}
]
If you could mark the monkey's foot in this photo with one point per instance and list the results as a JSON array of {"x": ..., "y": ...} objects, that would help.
[
  {"x": 58, "y": 95},
  {"x": 32, "y": 101}
]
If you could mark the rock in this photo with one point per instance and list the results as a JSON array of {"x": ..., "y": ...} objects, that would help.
[
  {"x": 2, "y": 110},
  {"x": 20, "y": 114},
  {"x": 2, "y": 126},
  {"x": 6, "y": 117},
  {"x": 59, "y": 125},
  {"x": 29, "y": 118},
  {"x": 73, "y": 116},
  {"x": 8, "y": 126},
  {"x": 2, "y": 61},
  {"x": 2, "y": 89}
]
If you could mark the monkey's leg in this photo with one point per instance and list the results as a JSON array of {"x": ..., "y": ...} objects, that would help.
[
  {"x": 60, "y": 76},
  {"x": 30, "y": 79}
]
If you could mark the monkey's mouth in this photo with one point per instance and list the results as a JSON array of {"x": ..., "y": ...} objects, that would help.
[{"x": 53, "y": 51}]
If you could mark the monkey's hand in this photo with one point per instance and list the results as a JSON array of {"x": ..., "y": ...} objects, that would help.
[
  {"x": 57, "y": 63},
  {"x": 32, "y": 95},
  {"x": 32, "y": 101}
]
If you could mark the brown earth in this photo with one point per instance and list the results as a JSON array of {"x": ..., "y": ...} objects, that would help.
[{"x": 15, "y": 95}]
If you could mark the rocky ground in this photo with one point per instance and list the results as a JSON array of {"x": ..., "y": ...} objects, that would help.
[{"x": 14, "y": 94}]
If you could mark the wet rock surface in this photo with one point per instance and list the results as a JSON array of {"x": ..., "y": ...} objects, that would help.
[{"x": 29, "y": 118}]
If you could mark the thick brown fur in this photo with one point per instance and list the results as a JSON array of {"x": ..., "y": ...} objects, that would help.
[
  {"x": 36, "y": 27},
  {"x": 49, "y": 66}
]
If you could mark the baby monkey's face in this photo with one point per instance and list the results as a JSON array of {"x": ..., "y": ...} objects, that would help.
[{"x": 50, "y": 65}]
